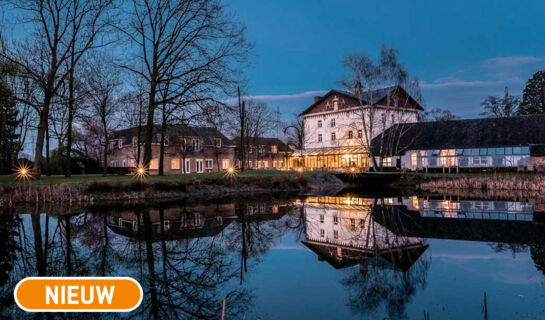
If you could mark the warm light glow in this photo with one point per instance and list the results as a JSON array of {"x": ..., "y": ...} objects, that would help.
[
  {"x": 23, "y": 172},
  {"x": 352, "y": 169},
  {"x": 140, "y": 172},
  {"x": 230, "y": 173}
]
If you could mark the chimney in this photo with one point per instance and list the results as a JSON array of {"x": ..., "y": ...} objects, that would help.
[
  {"x": 336, "y": 104},
  {"x": 317, "y": 98}
]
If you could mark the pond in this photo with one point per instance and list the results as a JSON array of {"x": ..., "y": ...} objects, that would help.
[{"x": 343, "y": 256}]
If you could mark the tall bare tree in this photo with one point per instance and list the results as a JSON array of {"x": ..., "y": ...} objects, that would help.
[
  {"x": 190, "y": 44},
  {"x": 103, "y": 82},
  {"x": 60, "y": 31}
]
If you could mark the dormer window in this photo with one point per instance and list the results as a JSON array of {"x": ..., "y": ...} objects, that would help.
[
  {"x": 217, "y": 142},
  {"x": 196, "y": 144}
]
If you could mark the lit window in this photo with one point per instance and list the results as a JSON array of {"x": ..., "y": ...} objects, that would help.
[
  {"x": 414, "y": 159},
  {"x": 332, "y": 122},
  {"x": 175, "y": 164},
  {"x": 225, "y": 163},
  {"x": 274, "y": 148},
  {"x": 387, "y": 162},
  {"x": 333, "y": 136},
  {"x": 154, "y": 164}
]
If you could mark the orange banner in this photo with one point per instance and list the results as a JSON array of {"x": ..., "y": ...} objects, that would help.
[{"x": 78, "y": 294}]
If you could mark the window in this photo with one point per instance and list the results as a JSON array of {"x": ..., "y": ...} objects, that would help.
[
  {"x": 335, "y": 219},
  {"x": 187, "y": 166},
  {"x": 265, "y": 164},
  {"x": 175, "y": 164},
  {"x": 360, "y": 133},
  {"x": 350, "y": 135},
  {"x": 124, "y": 163},
  {"x": 333, "y": 136},
  {"x": 321, "y": 218},
  {"x": 353, "y": 222},
  {"x": 320, "y": 138},
  {"x": 319, "y": 123},
  {"x": 387, "y": 162},
  {"x": 274, "y": 148},
  {"x": 336, "y": 234},
  {"x": 393, "y": 118},
  {"x": 208, "y": 164},
  {"x": 225, "y": 163},
  {"x": 414, "y": 159},
  {"x": 154, "y": 164},
  {"x": 196, "y": 144},
  {"x": 198, "y": 166},
  {"x": 333, "y": 122},
  {"x": 322, "y": 233},
  {"x": 217, "y": 142},
  {"x": 525, "y": 150}
]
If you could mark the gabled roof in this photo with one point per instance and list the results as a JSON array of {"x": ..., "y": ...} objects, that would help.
[
  {"x": 206, "y": 133},
  {"x": 460, "y": 134},
  {"x": 377, "y": 95}
]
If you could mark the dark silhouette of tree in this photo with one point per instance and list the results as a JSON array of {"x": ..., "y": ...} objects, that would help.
[
  {"x": 533, "y": 96},
  {"x": 437, "y": 114},
  {"x": 497, "y": 107}
]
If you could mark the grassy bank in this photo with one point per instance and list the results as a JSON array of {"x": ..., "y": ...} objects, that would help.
[
  {"x": 208, "y": 185},
  {"x": 86, "y": 179}
]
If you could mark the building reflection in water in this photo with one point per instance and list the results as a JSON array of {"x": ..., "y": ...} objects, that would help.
[{"x": 379, "y": 242}]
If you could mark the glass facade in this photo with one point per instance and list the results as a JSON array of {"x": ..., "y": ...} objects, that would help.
[{"x": 473, "y": 157}]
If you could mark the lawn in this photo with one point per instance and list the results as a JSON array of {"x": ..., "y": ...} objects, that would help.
[{"x": 82, "y": 179}]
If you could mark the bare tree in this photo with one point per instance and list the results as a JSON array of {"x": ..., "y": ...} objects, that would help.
[
  {"x": 103, "y": 82},
  {"x": 193, "y": 45},
  {"x": 365, "y": 79},
  {"x": 298, "y": 136},
  {"x": 496, "y": 107},
  {"x": 437, "y": 114},
  {"x": 61, "y": 31}
]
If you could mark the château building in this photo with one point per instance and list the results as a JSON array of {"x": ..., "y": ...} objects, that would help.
[{"x": 338, "y": 128}]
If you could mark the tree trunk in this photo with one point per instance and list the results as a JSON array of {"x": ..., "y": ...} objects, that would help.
[
  {"x": 40, "y": 137},
  {"x": 106, "y": 144},
  {"x": 68, "y": 162},
  {"x": 47, "y": 172},
  {"x": 162, "y": 146},
  {"x": 149, "y": 126}
]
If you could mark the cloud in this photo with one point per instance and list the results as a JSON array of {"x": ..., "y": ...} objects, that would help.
[
  {"x": 511, "y": 61},
  {"x": 464, "y": 83},
  {"x": 272, "y": 97}
]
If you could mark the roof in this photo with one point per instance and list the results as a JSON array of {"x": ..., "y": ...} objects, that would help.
[
  {"x": 266, "y": 141},
  {"x": 377, "y": 94},
  {"x": 206, "y": 133},
  {"x": 460, "y": 134}
]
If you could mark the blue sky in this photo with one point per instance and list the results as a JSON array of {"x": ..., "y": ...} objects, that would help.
[{"x": 462, "y": 51}]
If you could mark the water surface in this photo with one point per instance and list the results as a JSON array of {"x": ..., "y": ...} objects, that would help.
[{"x": 346, "y": 256}]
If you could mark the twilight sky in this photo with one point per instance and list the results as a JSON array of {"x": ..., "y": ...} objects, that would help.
[{"x": 462, "y": 51}]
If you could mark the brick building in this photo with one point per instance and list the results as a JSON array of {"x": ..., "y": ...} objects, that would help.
[{"x": 187, "y": 149}]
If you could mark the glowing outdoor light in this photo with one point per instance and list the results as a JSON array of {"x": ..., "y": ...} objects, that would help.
[
  {"x": 300, "y": 170},
  {"x": 230, "y": 173},
  {"x": 23, "y": 172},
  {"x": 140, "y": 172},
  {"x": 353, "y": 169}
]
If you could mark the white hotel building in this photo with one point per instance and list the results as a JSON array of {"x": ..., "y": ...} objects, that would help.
[{"x": 334, "y": 130}]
